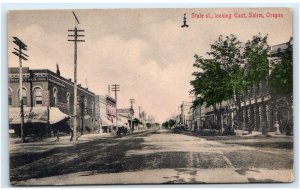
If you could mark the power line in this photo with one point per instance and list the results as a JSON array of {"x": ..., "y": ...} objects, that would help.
[{"x": 143, "y": 24}]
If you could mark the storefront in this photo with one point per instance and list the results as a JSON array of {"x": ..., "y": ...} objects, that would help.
[{"x": 38, "y": 121}]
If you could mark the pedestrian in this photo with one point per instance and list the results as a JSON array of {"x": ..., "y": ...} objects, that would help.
[{"x": 276, "y": 126}]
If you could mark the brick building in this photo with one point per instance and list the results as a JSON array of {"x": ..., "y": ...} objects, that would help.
[{"x": 43, "y": 88}]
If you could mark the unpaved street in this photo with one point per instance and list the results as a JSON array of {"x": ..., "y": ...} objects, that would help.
[{"x": 150, "y": 157}]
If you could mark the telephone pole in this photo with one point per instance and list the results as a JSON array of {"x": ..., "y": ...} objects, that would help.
[
  {"x": 139, "y": 117},
  {"x": 22, "y": 56},
  {"x": 75, "y": 34},
  {"x": 131, "y": 112},
  {"x": 115, "y": 88}
]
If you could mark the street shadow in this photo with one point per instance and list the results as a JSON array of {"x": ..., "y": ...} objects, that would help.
[{"x": 104, "y": 155}]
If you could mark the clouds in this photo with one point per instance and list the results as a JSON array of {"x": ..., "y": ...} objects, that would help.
[{"x": 145, "y": 50}]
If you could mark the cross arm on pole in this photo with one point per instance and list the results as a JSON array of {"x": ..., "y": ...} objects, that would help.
[
  {"x": 19, "y": 43},
  {"x": 19, "y": 55},
  {"x": 76, "y": 40},
  {"x": 20, "y": 52}
]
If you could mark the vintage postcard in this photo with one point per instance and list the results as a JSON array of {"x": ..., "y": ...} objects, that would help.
[{"x": 150, "y": 96}]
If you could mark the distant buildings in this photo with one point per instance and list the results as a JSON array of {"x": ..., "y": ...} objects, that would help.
[{"x": 185, "y": 112}]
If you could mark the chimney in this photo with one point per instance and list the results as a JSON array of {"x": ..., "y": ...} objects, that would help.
[
  {"x": 109, "y": 90},
  {"x": 70, "y": 79},
  {"x": 57, "y": 70},
  {"x": 79, "y": 85}
]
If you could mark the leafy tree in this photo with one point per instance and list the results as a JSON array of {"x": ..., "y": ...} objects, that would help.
[
  {"x": 148, "y": 125},
  {"x": 136, "y": 122},
  {"x": 281, "y": 78},
  {"x": 211, "y": 83},
  {"x": 256, "y": 60},
  {"x": 227, "y": 51},
  {"x": 165, "y": 124},
  {"x": 255, "y": 55},
  {"x": 171, "y": 122},
  {"x": 168, "y": 124},
  {"x": 220, "y": 77}
]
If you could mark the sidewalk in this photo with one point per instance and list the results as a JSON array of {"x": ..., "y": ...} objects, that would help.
[
  {"x": 257, "y": 133},
  {"x": 256, "y": 139}
]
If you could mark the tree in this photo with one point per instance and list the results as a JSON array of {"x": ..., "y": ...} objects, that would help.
[
  {"x": 136, "y": 122},
  {"x": 165, "y": 124},
  {"x": 256, "y": 60},
  {"x": 281, "y": 78},
  {"x": 227, "y": 51},
  {"x": 256, "y": 69},
  {"x": 211, "y": 85},
  {"x": 171, "y": 123},
  {"x": 220, "y": 77}
]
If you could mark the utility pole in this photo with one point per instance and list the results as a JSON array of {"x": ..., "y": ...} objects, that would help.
[
  {"x": 75, "y": 38},
  {"x": 139, "y": 117},
  {"x": 82, "y": 112},
  {"x": 131, "y": 112},
  {"x": 115, "y": 88},
  {"x": 22, "y": 56}
]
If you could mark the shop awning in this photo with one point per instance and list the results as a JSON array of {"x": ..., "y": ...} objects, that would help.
[
  {"x": 36, "y": 115},
  {"x": 56, "y": 115},
  {"x": 122, "y": 121},
  {"x": 106, "y": 122}
]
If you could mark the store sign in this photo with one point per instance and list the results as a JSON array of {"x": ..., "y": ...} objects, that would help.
[
  {"x": 124, "y": 110},
  {"x": 31, "y": 115}
]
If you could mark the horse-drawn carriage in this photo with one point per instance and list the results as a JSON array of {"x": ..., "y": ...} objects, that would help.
[{"x": 121, "y": 130}]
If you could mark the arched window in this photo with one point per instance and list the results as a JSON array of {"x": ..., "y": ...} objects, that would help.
[
  {"x": 9, "y": 97},
  {"x": 38, "y": 100},
  {"x": 24, "y": 95},
  {"x": 85, "y": 103},
  {"x": 55, "y": 96},
  {"x": 68, "y": 102}
]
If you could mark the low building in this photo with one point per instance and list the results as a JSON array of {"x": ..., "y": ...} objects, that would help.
[
  {"x": 185, "y": 108},
  {"x": 111, "y": 111}
]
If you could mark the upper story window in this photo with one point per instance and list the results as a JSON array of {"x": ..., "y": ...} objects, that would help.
[
  {"x": 9, "y": 97},
  {"x": 68, "y": 101},
  {"x": 24, "y": 95},
  {"x": 55, "y": 94},
  {"x": 85, "y": 103},
  {"x": 38, "y": 100},
  {"x": 92, "y": 108}
]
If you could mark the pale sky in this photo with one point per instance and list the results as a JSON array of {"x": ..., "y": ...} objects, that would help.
[{"x": 145, "y": 51}]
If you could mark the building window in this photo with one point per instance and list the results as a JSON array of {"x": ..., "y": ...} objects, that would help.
[
  {"x": 55, "y": 96},
  {"x": 85, "y": 106},
  {"x": 92, "y": 108},
  {"x": 24, "y": 95},
  {"x": 38, "y": 100},
  {"x": 68, "y": 102},
  {"x": 9, "y": 97}
]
